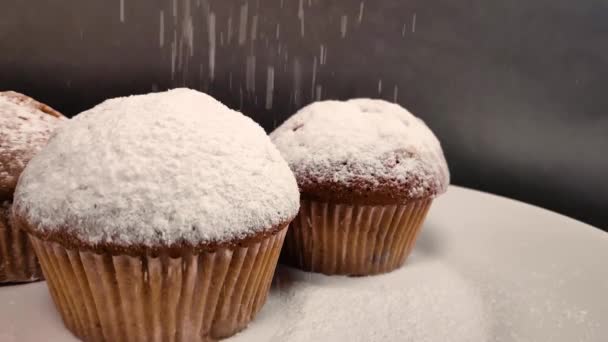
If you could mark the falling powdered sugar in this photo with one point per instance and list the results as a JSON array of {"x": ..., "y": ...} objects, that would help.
[
  {"x": 363, "y": 141},
  {"x": 158, "y": 169},
  {"x": 422, "y": 302}
]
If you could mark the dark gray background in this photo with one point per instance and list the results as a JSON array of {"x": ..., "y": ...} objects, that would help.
[{"x": 514, "y": 89}]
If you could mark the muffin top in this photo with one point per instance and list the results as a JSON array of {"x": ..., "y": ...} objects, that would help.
[
  {"x": 168, "y": 169},
  {"x": 25, "y": 127},
  {"x": 362, "y": 150}
]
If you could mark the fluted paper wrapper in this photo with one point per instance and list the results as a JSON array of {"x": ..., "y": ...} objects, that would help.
[
  {"x": 200, "y": 297},
  {"x": 352, "y": 239},
  {"x": 18, "y": 261}
]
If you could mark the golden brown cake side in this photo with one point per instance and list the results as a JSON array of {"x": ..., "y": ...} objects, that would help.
[
  {"x": 353, "y": 239},
  {"x": 18, "y": 261},
  {"x": 177, "y": 294}
]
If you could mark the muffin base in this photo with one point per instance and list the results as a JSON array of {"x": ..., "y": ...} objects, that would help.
[
  {"x": 193, "y": 297},
  {"x": 18, "y": 263},
  {"x": 352, "y": 239}
]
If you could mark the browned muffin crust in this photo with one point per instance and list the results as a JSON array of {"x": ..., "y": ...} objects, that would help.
[
  {"x": 13, "y": 170},
  {"x": 180, "y": 248},
  {"x": 27, "y": 101},
  {"x": 385, "y": 191}
]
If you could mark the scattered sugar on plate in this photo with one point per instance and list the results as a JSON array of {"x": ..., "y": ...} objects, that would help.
[
  {"x": 535, "y": 309},
  {"x": 362, "y": 140},
  {"x": 421, "y": 302},
  {"x": 158, "y": 169}
]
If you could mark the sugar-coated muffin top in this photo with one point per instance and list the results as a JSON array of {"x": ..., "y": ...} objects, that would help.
[
  {"x": 161, "y": 169},
  {"x": 25, "y": 127},
  {"x": 362, "y": 150}
]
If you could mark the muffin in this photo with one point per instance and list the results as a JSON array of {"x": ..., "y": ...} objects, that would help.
[
  {"x": 368, "y": 171},
  {"x": 162, "y": 218},
  {"x": 25, "y": 127}
]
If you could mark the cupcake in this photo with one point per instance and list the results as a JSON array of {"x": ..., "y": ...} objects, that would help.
[
  {"x": 25, "y": 127},
  {"x": 368, "y": 171},
  {"x": 157, "y": 217}
]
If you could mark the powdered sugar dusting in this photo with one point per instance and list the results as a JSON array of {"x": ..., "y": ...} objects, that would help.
[
  {"x": 24, "y": 130},
  {"x": 158, "y": 169},
  {"x": 422, "y": 302},
  {"x": 362, "y": 140}
]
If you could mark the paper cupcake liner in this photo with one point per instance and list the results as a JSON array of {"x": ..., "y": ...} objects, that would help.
[
  {"x": 352, "y": 239},
  {"x": 195, "y": 297},
  {"x": 18, "y": 261}
]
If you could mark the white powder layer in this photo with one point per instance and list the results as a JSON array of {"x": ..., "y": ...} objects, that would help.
[
  {"x": 24, "y": 130},
  {"x": 421, "y": 302},
  {"x": 158, "y": 169},
  {"x": 362, "y": 140}
]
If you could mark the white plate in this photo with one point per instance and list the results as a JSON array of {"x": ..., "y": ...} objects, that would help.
[{"x": 485, "y": 268}]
